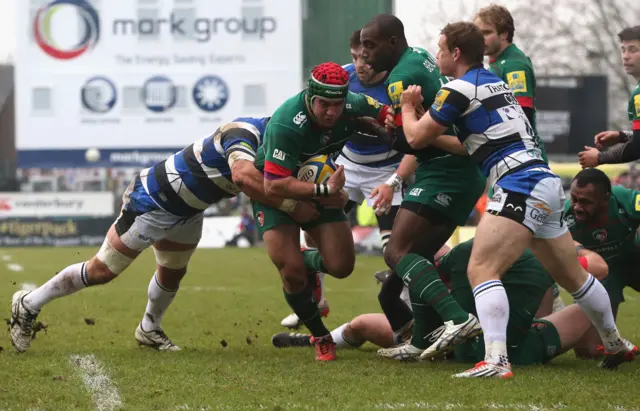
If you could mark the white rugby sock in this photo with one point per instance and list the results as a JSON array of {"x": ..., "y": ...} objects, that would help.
[
  {"x": 594, "y": 301},
  {"x": 384, "y": 238},
  {"x": 340, "y": 339},
  {"x": 492, "y": 306},
  {"x": 66, "y": 282},
  {"x": 159, "y": 300}
]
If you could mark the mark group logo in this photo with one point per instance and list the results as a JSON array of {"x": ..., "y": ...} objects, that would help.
[{"x": 88, "y": 35}]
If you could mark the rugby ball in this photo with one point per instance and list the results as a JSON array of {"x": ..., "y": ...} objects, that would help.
[{"x": 317, "y": 169}]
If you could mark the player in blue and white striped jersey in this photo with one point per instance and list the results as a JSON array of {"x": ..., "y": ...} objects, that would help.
[
  {"x": 163, "y": 207},
  {"x": 369, "y": 162},
  {"x": 527, "y": 206}
]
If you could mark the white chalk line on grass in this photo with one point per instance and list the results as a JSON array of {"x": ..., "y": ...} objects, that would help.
[
  {"x": 104, "y": 393},
  {"x": 397, "y": 406}
]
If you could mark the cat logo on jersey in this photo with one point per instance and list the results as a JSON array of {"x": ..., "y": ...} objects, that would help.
[
  {"x": 395, "y": 91},
  {"x": 517, "y": 81},
  {"x": 637, "y": 202},
  {"x": 440, "y": 99},
  {"x": 373, "y": 102},
  {"x": 636, "y": 102}
]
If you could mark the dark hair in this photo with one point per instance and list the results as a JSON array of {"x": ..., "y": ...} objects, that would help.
[
  {"x": 388, "y": 26},
  {"x": 499, "y": 17},
  {"x": 629, "y": 34},
  {"x": 354, "y": 40},
  {"x": 593, "y": 176},
  {"x": 466, "y": 37}
]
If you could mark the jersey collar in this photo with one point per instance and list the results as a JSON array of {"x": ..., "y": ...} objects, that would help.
[{"x": 505, "y": 53}]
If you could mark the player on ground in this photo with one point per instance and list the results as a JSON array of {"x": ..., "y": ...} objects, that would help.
[
  {"x": 605, "y": 219},
  {"x": 527, "y": 206},
  {"x": 319, "y": 120},
  {"x": 369, "y": 164},
  {"x": 445, "y": 192},
  {"x": 163, "y": 207},
  {"x": 628, "y": 141},
  {"x": 508, "y": 62},
  {"x": 533, "y": 340}
]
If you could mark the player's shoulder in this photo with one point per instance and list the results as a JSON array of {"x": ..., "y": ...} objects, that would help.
[
  {"x": 635, "y": 99},
  {"x": 622, "y": 194},
  {"x": 466, "y": 85},
  {"x": 354, "y": 102},
  {"x": 254, "y": 124},
  {"x": 292, "y": 115}
]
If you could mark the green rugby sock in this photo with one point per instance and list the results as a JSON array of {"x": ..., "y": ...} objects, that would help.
[
  {"x": 306, "y": 308},
  {"x": 313, "y": 261},
  {"x": 426, "y": 287},
  {"x": 426, "y": 320}
]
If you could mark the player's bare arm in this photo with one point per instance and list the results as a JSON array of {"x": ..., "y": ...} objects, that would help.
[
  {"x": 419, "y": 133},
  {"x": 251, "y": 182},
  {"x": 592, "y": 262}
]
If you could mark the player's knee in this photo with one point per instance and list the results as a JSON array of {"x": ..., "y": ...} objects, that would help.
[
  {"x": 173, "y": 262},
  {"x": 107, "y": 264},
  {"x": 392, "y": 255},
  {"x": 294, "y": 276},
  {"x": 341, "y": 266},
  {"x": 98, "y": 272}
]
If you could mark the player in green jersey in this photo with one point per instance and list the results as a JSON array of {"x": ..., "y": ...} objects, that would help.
[
  {"x": 447, "y": 186},
  {"x": 319, "y": 120},
  {"x": 508, "y": 62},
  {"x": 605, "y": 219},
  {"x": 624, "y": 146}
]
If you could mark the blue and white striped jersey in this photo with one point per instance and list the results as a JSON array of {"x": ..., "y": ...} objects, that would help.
[
  {"x": 493, "y": 128},
  {"x": 367, "y": 149},
  {"x": 191, "y": 180}
]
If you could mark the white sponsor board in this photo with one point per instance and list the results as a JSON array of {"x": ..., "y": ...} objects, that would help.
[
  {"x": 216, "y": 231},
  {"x": 149, "y": 73},
  {"x": 56, "y": 204}
]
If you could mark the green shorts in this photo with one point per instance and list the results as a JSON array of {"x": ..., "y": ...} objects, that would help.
[
  {"x": 268, "y": 217},
  {"x": 451, "y": 185},
  {"x": 540, "y": 345}
]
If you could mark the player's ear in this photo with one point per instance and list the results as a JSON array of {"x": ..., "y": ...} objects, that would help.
[{"x": 393, "y": 41}]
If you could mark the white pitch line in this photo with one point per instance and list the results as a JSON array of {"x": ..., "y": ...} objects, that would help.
[
  {"x": 104, "y": 393},
  {"x": 6, "y": 258},
  {"x": 15, "y": 267}
]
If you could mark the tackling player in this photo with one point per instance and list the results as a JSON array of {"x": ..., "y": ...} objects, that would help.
[
  {"x": 629, "y": 147},
  {"x": 508, "y": 62},
  {"x": 163, "y": 207},
  {"x": 319, "y": 120},
  {"x": 527, "y": 206},
  {"x": 445, "y": 192}
]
